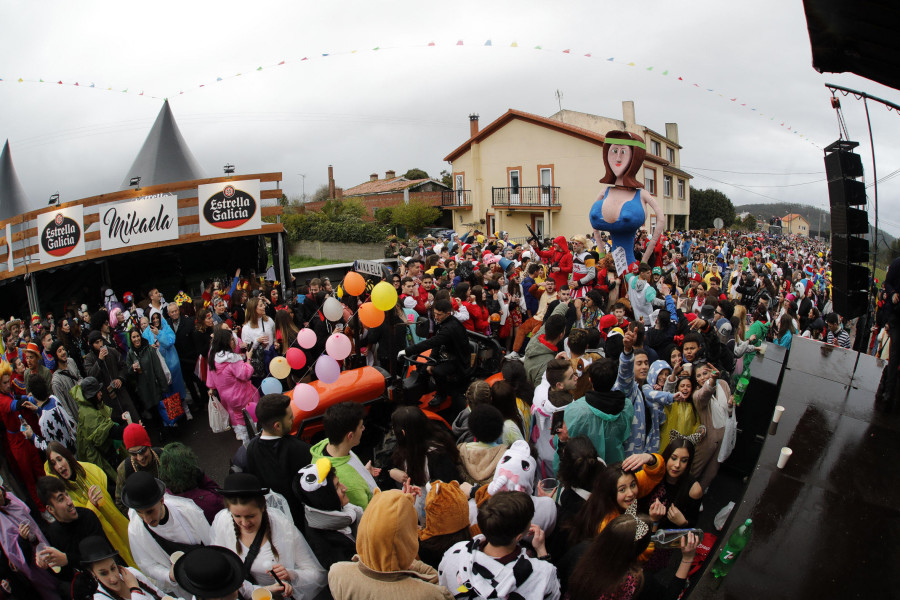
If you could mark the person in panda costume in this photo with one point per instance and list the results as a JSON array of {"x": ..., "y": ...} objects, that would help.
[
  {"x": 516, "y": 472},
  {"x": 331, "y": 520}
]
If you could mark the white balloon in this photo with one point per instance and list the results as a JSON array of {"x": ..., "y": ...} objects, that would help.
[{"x": 332, "y": 309}]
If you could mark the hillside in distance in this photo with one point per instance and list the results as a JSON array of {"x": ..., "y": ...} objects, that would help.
[{"x": 815, "y": 216}]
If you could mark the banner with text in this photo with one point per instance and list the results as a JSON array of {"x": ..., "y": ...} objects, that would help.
[
  {"x": 229, "y": 206},
  {"x": 140, "y": 221},
  {"x": 61, "y": 234}
]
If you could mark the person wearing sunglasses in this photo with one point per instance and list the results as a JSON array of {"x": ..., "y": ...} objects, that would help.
[{"x": 142, "y": 456}]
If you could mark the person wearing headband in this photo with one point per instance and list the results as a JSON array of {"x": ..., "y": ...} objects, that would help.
[{"x": 621, "y": 210}]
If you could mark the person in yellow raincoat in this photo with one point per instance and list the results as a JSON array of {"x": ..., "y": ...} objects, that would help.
[{"x": 86, "y": 483}]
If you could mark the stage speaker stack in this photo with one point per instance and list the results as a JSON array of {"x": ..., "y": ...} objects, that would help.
[{"x": 849, "y": 226}]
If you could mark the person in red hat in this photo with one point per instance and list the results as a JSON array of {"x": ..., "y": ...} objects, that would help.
[{"x": 142, "y": 456}]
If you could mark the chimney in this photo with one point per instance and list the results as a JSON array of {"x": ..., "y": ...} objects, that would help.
[
  {"x": 628, "y": 112},
  {"x": 389, "y": 175},
  {"x": 473, "y": 125},
  {"x": 672, "y": 131},
  {"x": 373, "y": 177},
  {"x": 330, "y": 181},
  {"x": 339, "y": 193}
]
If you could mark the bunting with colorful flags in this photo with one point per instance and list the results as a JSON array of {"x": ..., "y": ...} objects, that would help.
[{"x": 460, "y": 42}]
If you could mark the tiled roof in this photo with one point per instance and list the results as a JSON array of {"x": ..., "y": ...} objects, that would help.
[
  {"x": 509, "y": 115},
  {"x": 383, "y": 186},
  {"x": 791, "y": 217}
]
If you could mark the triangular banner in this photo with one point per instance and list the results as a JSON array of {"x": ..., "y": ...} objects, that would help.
[
  {"x": 431, "y": 43},
  {"x": 459, "y": 43},
  {"x": 488, "y": 43},
  {"x": 566, "y": 51},
  {"x": 514, "y": 45}
]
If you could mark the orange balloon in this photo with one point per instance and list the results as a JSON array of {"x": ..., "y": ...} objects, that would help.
[
  {"x": 354, "y": 284},
  {"x": 370, "y": 316}
]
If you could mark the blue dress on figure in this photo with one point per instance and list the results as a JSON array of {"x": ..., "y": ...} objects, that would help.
[{"x": 622, "y": 231}]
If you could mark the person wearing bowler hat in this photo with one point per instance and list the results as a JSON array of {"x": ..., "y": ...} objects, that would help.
[
  {"x": 273, "y": 552},
  {"x": 160, "y": 525},
  {"x": 212, "y": 573},
  {"x": 113, "y": 581}
]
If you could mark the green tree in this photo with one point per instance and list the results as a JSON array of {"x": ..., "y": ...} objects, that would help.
[
  {"x": 707, "y": 205},
  {"x": 447, "y": 178},
  {"x": 384, "y": 216},
  {"x": 321, "y": 194},
  {"x": 415, "y": 216},
  {"x": 750, "y": 222},
  {"x": 416, "y": 174},
  {"x": 348, "y": 207}
]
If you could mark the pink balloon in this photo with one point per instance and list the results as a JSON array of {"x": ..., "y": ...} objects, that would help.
[
  {"x": 295, "y": 357},
  {"x": 338, "y": 346},
  {"x": 306, "y": 398},
  {"x": 306, "y": 338},
  {"x": 327, "y": 369}
]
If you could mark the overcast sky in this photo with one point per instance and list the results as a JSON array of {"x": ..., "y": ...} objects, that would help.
[{"x": 406, "y": 105}]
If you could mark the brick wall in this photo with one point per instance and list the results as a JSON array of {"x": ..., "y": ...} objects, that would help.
[
  {"x": 338, "y": 251},
  {"x": 383, "y": 201}
]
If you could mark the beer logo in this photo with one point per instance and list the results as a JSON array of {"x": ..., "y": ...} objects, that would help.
[
  {"x": 60, "y": 236},
  {"x": 229, "y": 208}
]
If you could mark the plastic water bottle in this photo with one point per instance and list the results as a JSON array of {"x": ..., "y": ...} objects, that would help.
[
  {"x": 741, "y": 387},
  {"x": 671, "y": 538},
  {"x": 732, "y": 549}
]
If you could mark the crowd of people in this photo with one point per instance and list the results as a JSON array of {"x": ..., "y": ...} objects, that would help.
[{"x": 608, "y": 419}]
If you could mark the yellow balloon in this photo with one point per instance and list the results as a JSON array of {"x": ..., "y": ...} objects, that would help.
[
  {"x": 384, "y": 296},
  {"x": 279, "y": 367}
]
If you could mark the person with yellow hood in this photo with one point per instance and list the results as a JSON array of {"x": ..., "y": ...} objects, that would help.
[{"x": 385, "y": 565}]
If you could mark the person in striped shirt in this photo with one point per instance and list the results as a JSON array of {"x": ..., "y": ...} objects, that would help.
[{"x": 836, "y": 335}]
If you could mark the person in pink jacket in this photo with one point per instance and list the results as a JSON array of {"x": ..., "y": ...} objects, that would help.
[{"x": 229, "y": 375}]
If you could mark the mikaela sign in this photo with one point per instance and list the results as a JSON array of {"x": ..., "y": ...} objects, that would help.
[
  {"x": 229, "y": 206},
  {"x": 142, "y": 221},
  {"x": 61, "y": 234}
]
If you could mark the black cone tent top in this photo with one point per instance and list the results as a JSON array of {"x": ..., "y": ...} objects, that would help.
[
  {"x": 165, "y": 156},
  {"x": 13, "y": 201}
]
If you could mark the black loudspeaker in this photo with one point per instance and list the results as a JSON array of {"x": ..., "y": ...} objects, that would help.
[
  {"x": 850, "y": 280},
  {"x": 849, "y": 277},
  {"x": 846, "y": 192},
  {"x": 842, "y": 163},
  {"x": 855, "y": 249},
  {"x": 849, "y": 221}
]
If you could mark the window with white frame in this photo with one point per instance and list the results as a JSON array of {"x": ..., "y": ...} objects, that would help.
[
  {"x": 656, "y": 147},
  {"x": 681, "y": 189},
  {"x": 670, "y": 154},
  {"x": 650, "y": 180},
  {"x": 667, "y": 186}
]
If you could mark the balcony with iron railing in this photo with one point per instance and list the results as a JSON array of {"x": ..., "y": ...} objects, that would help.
[
  {"x": 456, "y": 198},
  {"x": 531, "y": 197}
]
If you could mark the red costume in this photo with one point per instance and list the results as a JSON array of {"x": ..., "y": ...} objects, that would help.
[
  {"x": 559, "y": 256},
  {"x": 22, "y": 450}
]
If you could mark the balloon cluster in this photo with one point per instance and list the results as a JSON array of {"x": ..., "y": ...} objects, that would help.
[{"x": 337, "y": 347}]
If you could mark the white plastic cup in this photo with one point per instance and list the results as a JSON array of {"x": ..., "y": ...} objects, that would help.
[
  {"x": 783, "y": 458},
  {"x": 261, "y": 594},
  {"x": 175, "y": 556},
  {"x": 779, "y": 410},
  {"x": 127, "y": 416}
]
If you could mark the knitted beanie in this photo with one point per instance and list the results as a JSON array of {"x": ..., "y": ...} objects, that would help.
[{"x": 134, "y": 436}]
